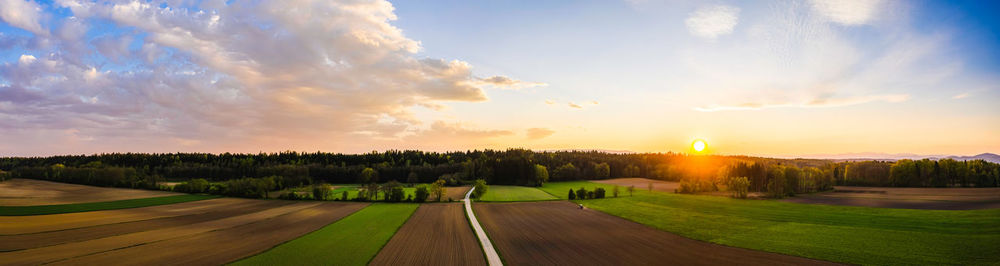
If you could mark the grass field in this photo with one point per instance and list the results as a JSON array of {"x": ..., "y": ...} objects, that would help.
[
  {"x": 96, "y": 206},
  {"x": 354, "y": 240},
  {"x": 857, "y": 235},
  {"x": 561, "y": 189},
  {"x": 515, "y": 193}
]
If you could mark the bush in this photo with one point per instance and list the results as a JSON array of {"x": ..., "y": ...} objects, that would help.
[
  {"x": 691, "y": 186},
  {"x": 343, "y": 195},
  {"x": 590, "y": 194},
  {"x": 480, "y": 188},
  {"x": 421, "y": 194},
  {"x": 396, "y": 194},
  {"x": 581, "y": 193},
  {"x": 572, "y": 195},
  {"x": 599, "y": 193},
  {"x": 437, "y": 189}
]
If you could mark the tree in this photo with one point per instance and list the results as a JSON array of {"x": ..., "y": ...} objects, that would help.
[
  {"x": 630, "y": 190},
  {"x": 389, "y": 189},
  {"x": 602, "y": 171},
  {"x": 437, "y": 189},
  {"x": 343, "y": 195},
  {"x": 322, "y": 192},
  {"x": 412, "y": 178},
  {"x": 777, "y": 183},
  {"x": 567, "y": 172},
  {"x": 614, "y": 191},
  {"x": 738, "y": 186},
  {"x": 599, "y": 193},
  {"x": 368, "y": 175},
  {"x": 541, "y": 174},
  {"x": 572, "y": 194},
  {"x": 480, "y": 188},
  {"x": 421, "y": 193},
  {"x": 581, "y": 193}
]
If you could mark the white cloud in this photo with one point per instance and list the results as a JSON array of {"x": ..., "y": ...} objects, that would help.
[
  {"x": 503, "y": 82},
  {"x": 814, "y": 103},
  {"x": 251, "y": 75},
  {"x": 847, "y": 12},
  {"x": 22, "y": 14},
  {"x": 713, "y": 21},
  {"x": 573, "y": 105},
  {"x": 961, "y": 96}
]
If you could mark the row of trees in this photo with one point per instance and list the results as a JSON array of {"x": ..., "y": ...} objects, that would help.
[{"x": 918, "y": 173}]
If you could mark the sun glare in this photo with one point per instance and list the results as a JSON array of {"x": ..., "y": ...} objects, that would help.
[{"x": 699, "y": 145}]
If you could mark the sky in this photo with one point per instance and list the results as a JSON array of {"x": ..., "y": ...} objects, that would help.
[{"x": 766, "y": 78}]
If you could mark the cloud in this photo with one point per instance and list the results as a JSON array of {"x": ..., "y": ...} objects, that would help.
[
  {"x": 315, "y": 69},
  {"x": 814, "y": 103},
  {"x": 550, "y": 102},
  {"x": 847, "y": 12},
  {"x": 538, "y": 133},
  {"x": 594, "y": 102},
  {"x": 22, "y": 14},
  {"x": 509, "y": 83},
  {"x": 713, "y": 21},
  {"x": 961, "y": 96},
  {"x": 573, "y": 105}
]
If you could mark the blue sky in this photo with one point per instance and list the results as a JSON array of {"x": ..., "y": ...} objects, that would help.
[{"x": 783, "y": 78}]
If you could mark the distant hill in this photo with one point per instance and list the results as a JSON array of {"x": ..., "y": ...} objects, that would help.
[
  {"x": 989, "y": 157},
  {"x": 868, "y": 156}
]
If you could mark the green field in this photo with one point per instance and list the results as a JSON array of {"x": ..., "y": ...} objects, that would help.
[
  {"x": 515, "y": 193},
  {"x": 856, "y": 235},
  {"x": 353, "y": 240},
  {"x": 561, "y": 189},
  {"x": 97, "y": 206}
]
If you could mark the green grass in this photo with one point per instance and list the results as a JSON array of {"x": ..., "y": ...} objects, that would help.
[
  {"x": 856, "y": 235},
  {"x": 561, "y": 189},
  {"x": 353, "y": 240},
  {"x": 515, "y": 193},
  {"x": 98, "y": 206}
]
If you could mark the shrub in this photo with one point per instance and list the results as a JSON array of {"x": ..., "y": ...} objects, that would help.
[
  {"x": 599, "y": 193},
  {"x": 590, "y": 194},
  {"x": 480, "y": 188},
  {"x": 343, "y": 195},
  {"x": 581, "y": 193},
  {"x": 396, "y": 194},
  {"x": 421, "y": 194},
  {"x": 572, "y": 195},
  {"x": 437, "y": 189}
]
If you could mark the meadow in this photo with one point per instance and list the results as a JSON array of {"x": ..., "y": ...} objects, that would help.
[
  {"x": 515, "y": 193},
  {"x": 353, "y": 240}
]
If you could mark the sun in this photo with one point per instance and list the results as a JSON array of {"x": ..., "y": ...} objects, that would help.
[{"x": 699, "y": 145}]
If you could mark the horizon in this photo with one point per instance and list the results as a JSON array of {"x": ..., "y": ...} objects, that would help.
[{"x": 781, "y": 80}]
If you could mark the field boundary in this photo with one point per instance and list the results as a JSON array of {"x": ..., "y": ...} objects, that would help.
[
  {"x": 484, "y": 241},
  {"x": 99, "y": 206}
]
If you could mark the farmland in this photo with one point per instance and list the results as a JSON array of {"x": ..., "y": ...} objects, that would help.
[
  {"x": 446, "y": 235},
  {"x": 557, "y": 232},
  {"x": 96, "y": 206},
  {"x": 28, "y": 192},
  {"x": 353, "y": 240},
  {"x": 515, "y": 193},
  {"x": 907, "y": 198},
  {"x": 856, "y": 235}
]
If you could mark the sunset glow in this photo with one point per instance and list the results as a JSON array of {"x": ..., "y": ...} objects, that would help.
[{"x": 699, "y": 145}]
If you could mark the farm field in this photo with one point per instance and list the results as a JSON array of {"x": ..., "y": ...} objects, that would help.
[
  {"x": 353, "y": 240},
  {"x": 444, "y": 234},
  {"x": 124, "y": 232},
  {"x": 907, "y": 198},
  {"x": 97, "y": 206},
  {"x": 642, "y": 183},
  {"x": 558, "y": 232},
  {"x": 27, "y": 192},
  {"x": 455, "y": 193},
  {"x": 856, "y": 235},
  {"x": 514, "y": 193}
]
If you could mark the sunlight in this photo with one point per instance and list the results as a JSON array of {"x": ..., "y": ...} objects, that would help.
[{"x": 699, "y": 145}]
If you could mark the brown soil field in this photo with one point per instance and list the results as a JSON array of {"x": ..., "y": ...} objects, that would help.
[
  {"x": 436, "y": 234},
  {"x": 11, "y": 225},
  {"x": 27, "y": 192},
  {"x": 907, "y": 198},
  {"x": 36, "y": 240},
  {"x": 642, "y": 183},
  {"x": 227, "y": 245},
  {"x": 559, "y": 233},
  {"x": 455, "y": 193},
  {"x": 70, "y": 250}
]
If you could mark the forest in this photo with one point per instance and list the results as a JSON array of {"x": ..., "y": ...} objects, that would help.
[{"x": 508, "y": 167}]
